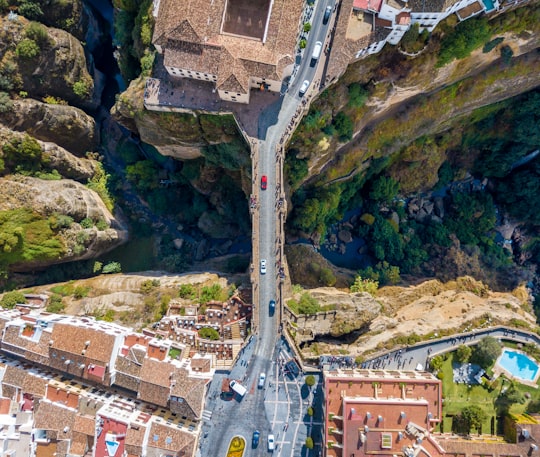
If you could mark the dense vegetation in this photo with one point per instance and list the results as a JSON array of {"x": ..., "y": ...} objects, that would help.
[{"x": 133, "y": 26}]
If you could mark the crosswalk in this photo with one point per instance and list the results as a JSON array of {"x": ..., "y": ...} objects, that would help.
[{"x": 207, "y": 415}]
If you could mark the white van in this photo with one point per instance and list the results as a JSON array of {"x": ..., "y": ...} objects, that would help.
[{"x": 316, "y": 52}]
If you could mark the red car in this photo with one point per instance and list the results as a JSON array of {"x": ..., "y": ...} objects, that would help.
[{"x": 264, "y": 182}]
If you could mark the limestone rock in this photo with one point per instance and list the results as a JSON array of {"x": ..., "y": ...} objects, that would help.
[
  {"x": 68, "y": 165},
  {"x": 354, "y": 312},
  {"x": 178, "y": 243},
  {"x": 58, "y": 67},
  {"x": 344, "y": 236},
  {"x": 68, "y": 198},
  {"x": 64, "y": 125}
]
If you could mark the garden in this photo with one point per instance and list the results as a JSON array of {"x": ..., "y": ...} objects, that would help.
[{"x": 481, "y": 408}]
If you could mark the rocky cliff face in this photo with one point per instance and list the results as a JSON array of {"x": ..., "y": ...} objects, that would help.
[
  {"x": 411, "y": 98},
  {"x": 179, "y": 135},
  {"x": 46, "y": 62},
  {"x": 67, "y": 126},
  {"x": 48, "y": 199}
]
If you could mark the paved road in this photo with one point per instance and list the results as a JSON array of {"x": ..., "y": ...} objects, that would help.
[
  {"x": 224, "y": 419},
  {"x": 409, "y": 358}
]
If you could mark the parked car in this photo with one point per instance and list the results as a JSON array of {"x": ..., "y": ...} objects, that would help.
[
  {"x": 263, "y": 266},
  {"x": 255, "y": 439},
  {"x": 304, "y": 87},
  {"x": 264, "y": 182},
  {"x": 271, "y": 443},
  {"x": 272, "y": 306},
  {"x": 327, "y": 14},
  {"x": 262, "y": 380}
]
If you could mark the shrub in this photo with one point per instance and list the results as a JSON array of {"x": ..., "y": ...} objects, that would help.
[
  {"x": 187, "y": 291},
  {"x": 358, "y": 95},
  {"x": 210, "y": 293},
  {"x": 87, "y": 223},
  {"x": 309, "y": 442},
  {"x": 27, "y": 49},
  {"x": 55, "y": 304},
  {"x": 302, "y": 44},
  {"x": 344, "y": 126},
  {"x": 112, "y": 267},
  {"x": 80, "y": 292},
  {"x": 11, "y": 299},
  {"x": 97, "y": 266},
  {"x": 37, "y": 32},
  {"x": 30, "y": 10},
  {"x": 310, "y": 380},
  {"x": 6, "y": 104},
  {"x": 364, "y": 285},
  {"x": 81, "y": 89},
  {"x": 307, "y": 27},
  {"x": 102, "y": 225}
]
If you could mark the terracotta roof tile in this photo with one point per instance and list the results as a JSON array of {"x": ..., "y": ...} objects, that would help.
[
  {"x": 171, "y": 439},
  {"x": 14, "y": 376},
  {"x": 79, "y": 445},
  {"x": 135, "y": 437},
  {"x": 191, "y": 389},
  {"x": 85, "y": 425},
  {"x": 34, "y": 385},
  {"x": 155, "y": 381},
  {"x": 72, "y": 339},
  {"x": 52, "y": 416},
  {"x": 190, "y": 32}
]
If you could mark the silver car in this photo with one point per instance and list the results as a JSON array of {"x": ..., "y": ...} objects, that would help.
[{"x": 263, "y": 266}]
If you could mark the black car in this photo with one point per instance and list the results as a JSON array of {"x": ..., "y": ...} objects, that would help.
[{"x": 327, "y": 14}]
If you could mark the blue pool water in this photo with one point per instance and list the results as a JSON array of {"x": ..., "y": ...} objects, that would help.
[
  {"x": 521, "y": 366},
  {"x": 489, "y": 4}
]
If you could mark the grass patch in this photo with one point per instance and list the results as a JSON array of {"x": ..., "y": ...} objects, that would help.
[{"x": 26, "y": 236}]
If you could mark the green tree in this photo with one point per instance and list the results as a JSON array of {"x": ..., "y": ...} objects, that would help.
[
  {"x": 473, "y": 416},
  {"x": 307, "y": 27},
  {"x": 112, "y": 267},
  {"x": 344, "y": 126},
  {"x": 144, "y": 174},
  {"x": 209, "y": 333},
  {"x": 384, "y": 189},
  {"x": 463, "y": 353},
  {"x": 310, "y": 380},
  {"x": 187, "y": 291},
  {"x": 30, "y": 10},
  {"x": 463, "y": 39},
  {"x": 436, "y": 362},
  {"x": 358, "y": 95},
  {"x": 309, "y": 442},
  {"x": 11, "y": 299},
  {"x": 486, "y": 352}
]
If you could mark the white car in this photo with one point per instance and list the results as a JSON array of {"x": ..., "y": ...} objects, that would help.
[
  {"x": 304, "y": 87},
  {"x": 263, "y": 266},
  {"x": 271, "y": 442},
  {"x": 262, "y": 379}
]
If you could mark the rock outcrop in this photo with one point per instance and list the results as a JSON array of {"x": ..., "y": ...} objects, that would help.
[
  {"x": 67, "y": 126},
  {"x": 56, "y": 67},
  {"x": 352, "y": 313},
  {"x": 67, "y": 198}
]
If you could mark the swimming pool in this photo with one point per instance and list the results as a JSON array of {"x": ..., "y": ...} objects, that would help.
[
  {"x": 489, "y": 4},
  {"x": 518, "y": 365}
]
